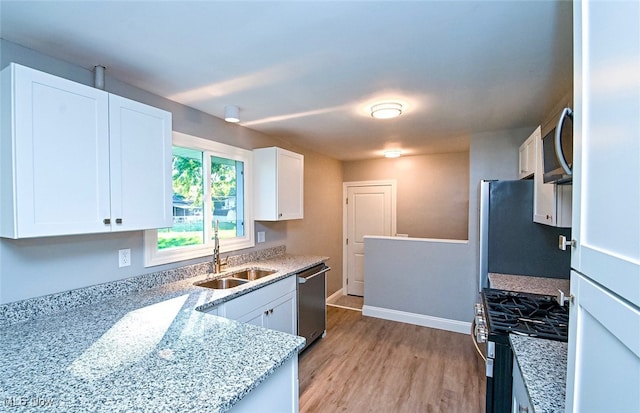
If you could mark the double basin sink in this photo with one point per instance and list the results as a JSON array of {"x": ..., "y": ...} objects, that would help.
[{"x": 236, "y": 278}]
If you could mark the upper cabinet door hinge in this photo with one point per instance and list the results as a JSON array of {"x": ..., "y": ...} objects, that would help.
[
  {"x": 346, "y": 201},
  {"x": 347, "y": 241}
]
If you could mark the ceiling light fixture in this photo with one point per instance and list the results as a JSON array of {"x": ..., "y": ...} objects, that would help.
[
  {"x": 386, "y": 110},
  {"x": 231, "y": 114},
  {"x": 392, "y": 154}
]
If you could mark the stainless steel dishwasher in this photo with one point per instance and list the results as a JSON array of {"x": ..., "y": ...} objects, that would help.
[{"x": 312, "y": 311}]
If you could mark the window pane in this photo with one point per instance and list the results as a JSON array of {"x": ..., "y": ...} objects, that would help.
[
  {"x": 227, "y": 196},
  {"x": 188, "y": 226}
]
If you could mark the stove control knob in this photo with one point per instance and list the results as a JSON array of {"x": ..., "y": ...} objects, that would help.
[
  {"x": 478, "y": 309},
  {"x": 481, "y": 334}
]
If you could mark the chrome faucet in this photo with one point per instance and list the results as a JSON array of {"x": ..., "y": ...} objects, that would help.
[{"x": 215, "y": 265}]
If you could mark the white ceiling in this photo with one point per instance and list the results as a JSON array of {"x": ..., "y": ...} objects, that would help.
[{"x": 307, "y": 71}]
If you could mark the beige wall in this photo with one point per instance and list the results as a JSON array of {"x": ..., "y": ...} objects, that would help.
[
  {"x": 320, "y": 232},
  {"x": 433, "y": 191}
]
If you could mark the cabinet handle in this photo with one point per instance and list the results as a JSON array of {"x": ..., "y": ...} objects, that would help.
[
  {"x": 118, "y": 220},
  {"x": 271, "y": 311},
  {"x": 266, "y": 312},
  {"x": 106, "y": 221}
]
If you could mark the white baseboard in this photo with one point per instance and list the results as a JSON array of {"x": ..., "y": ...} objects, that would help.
[
  {"x": 335, "y": 295},
  {"x": 417, "y": 319}
]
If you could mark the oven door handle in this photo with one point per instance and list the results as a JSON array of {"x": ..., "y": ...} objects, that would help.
[{"x": 473, "y": 338}]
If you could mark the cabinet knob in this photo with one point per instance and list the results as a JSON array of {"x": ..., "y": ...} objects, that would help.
[
  {"x": 280, "y": 215},
  {"x": 118, "y": 220},
  {"x": 106, "y": 221}
]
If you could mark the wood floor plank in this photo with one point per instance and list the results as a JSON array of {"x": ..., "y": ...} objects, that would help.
[{"x": 366, "y": 364}]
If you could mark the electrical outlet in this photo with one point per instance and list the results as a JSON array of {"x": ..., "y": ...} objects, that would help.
[
  {"x": 124, "y": 257},
  {"x": 261, "y": 236}
]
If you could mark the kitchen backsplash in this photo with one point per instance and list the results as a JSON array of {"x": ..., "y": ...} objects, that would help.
[{"x": 18, "y": 311}]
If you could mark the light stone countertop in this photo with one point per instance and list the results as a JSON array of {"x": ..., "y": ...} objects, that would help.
[
  {"x": 527, "y": 284},
  {"x": 543, "y": 364},
  {"x": 150, "y": 350}
]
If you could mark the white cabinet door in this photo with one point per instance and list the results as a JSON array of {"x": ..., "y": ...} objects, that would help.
[
  {"x": 604, "y": 351},
  {"x": 140, "y": 144},
  {"x": 527, "y": 157},
  {"x": 55, "y": 159},
  {"x": 604, "y": 339},
  {"x": 279, "y": 184},
  {"x": 290, "y": 185},
  {"x": 607, "y": 149},
  {"x": 281, "y": 314},
  {"x": 272, "y": 306},
  {"x": 551, "y": 203},
  {"x": 255, "y": 317}
]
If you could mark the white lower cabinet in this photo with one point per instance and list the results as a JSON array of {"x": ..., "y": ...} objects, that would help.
[
  {"x": 521, "y": 403},
  {"x": 272, "y": 306},
  {"x": 276, "y": 315},
  {"x": 604, "y": 348}
]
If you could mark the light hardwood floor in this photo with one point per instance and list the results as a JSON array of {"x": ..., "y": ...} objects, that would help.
[{"x": 366, "y": 364}]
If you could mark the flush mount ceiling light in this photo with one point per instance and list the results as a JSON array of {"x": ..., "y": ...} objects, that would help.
[
  {"x": 231, "y": 114},
  {"x": 392, "y": 154},
  {"x": 386, "y": 110}
]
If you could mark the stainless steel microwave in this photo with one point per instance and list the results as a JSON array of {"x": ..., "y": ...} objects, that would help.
[{"x": 557, "y": 150}]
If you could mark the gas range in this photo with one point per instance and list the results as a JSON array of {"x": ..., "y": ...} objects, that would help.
[
  {"x": 525, "y": 314},
  {"x": 501, "y": 313}
]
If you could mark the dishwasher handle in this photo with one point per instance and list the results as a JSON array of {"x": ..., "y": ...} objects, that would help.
[{"x": 302, "y": 280}]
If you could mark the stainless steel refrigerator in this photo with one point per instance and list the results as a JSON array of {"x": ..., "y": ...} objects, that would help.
[{"x": 510, "y": 242}]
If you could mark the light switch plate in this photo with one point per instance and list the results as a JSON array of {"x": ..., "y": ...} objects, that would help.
[{"x": 261, "y": 236}]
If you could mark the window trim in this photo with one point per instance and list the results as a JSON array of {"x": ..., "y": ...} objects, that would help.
[{"x": 153, "y": 256}]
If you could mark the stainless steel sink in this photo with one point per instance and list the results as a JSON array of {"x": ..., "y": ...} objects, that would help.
[
  {"x": 222, "y": 283},
  {"x": 251, "y": 274}
]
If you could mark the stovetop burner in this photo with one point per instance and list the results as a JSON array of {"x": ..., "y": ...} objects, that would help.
[{"x": 527, "y": 314}]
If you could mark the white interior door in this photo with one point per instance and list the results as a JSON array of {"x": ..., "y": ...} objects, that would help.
[{"x": 369, "y": 212}]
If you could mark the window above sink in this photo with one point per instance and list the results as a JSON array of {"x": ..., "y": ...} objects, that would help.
[{"x": 211, "y": 182}]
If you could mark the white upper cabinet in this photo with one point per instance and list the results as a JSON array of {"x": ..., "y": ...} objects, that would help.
[
  {"x": 527, "y": 158},
  {"x": 77, "y": 160},
  {"x": 551, "y": 202},
  {"x": 141, "y": 191},
  {"x": 607, "y": 147},
  {"x": 279, "y": 184}
]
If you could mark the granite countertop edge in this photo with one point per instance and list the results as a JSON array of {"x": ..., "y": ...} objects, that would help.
[
  {"x": 159, "y": 342},
  {"x": 543, "y": 365}
]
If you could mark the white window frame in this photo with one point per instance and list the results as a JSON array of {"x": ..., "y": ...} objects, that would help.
[{"x": 153, "y": 256}]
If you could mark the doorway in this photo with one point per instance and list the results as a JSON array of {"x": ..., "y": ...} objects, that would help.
[{"x": 369, "y": 210}]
